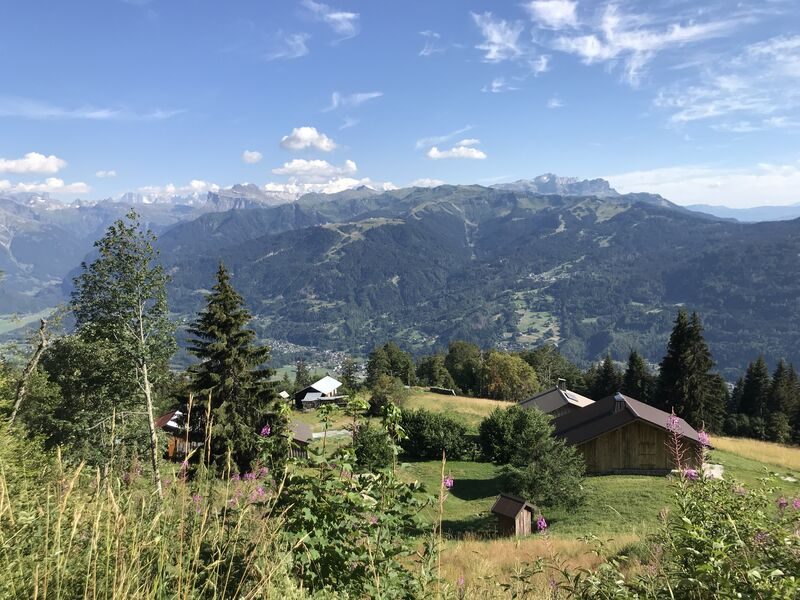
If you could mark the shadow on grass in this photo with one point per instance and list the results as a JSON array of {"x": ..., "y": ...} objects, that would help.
[
  {"x": 480, "y": 527},
  {"x": 475, "y": 489}
]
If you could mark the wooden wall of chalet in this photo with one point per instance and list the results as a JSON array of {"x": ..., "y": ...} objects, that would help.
[
  {"x": 507, "y": 526},
  {"x": 636, "y": 448}
]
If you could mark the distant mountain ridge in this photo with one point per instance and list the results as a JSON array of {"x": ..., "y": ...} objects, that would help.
[
  {"x": 755, "y": 214},
  {"x": 564, "y": 186}
]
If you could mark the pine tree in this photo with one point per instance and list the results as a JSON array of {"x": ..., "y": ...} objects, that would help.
[
  {"x": 606, "y": 380},
  {"x": 638, "y": 382},
  {"x": 756, "y": 390},
  {"x": 685, "y": 383},
  {"x": 232, "y": 375},
  {"x": 784, "y": 396},
  {"x": 349, "y": 375},
  {"x": 121, "y": 299},
  {"x": 302, "y": 375}
]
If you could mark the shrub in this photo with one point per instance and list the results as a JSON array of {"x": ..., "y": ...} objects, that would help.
[
  {"x": 540, "y": 468},
  {"x": 428, "y": 434},
  {"x": 386, "y": 390},
  {"x": 373, "y": 448}
]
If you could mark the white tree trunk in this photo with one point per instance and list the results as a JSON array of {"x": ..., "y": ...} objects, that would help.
[
  {"x": 148, "y": 396},
  {"x": 22, "y": 388}
]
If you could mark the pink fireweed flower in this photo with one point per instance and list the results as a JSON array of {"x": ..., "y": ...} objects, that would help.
[
  {"x": 782, "y": 503},
  {"x": 674, "y": 423},
  {"x": 373, "y": 520},
  {"x": 541, "y": 523},
  {"x": 691, "y": 474},
  {"x": 460, "y": 581},
  {"x": 448, "y": 482},
  {"x": 265, "y": 431},
  {"x": 263, "y": 472},
  {"x": 236, "y": 477},
  {"x": 796, "y": 504},
  {"x": 703, "y": 437},
  {"x": 250, "y": 476}
]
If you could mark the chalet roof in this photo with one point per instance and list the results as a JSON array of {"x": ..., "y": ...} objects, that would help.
[
  {"x": 510, "y": 506},
  {"x": 283, "y": 394},
  {"x": 312, "y": 396},
  {"x": 301, "y": 432},
  {"x": 554, "y": 398},
  {"x": 611, "y": 413},
  {"x": 326, "y": 385},
  {"x": 170, "y": 420}
]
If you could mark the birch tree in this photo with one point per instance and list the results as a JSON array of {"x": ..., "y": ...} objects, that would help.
[{"x": 121, "y": 297}]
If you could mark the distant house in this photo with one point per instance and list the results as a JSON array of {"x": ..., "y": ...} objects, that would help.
[
  {"x": 620, "y": 435},
  {"x": 284, "y": 395},
  {"x": 324, "y": 391},
  {"x": 172, "y": 423},
  {"x": 514, "y": 515},
  {"x": 557, "y": 401}
]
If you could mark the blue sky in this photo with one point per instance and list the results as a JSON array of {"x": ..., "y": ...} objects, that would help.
[{"x": 699, "y": 101}]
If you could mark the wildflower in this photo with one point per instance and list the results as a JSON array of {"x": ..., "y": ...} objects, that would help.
[
  {"x": 263, "y": 472},
  {"x": 704, "y": 437},
  {"x": 691, "y": 474},
  {"x": 796, "y": 504},
  {"x": 460, "y": 581},
  {"x": 257, "y": 494},
  {"x": 761, "y": 537},
  {"x": 233, "y": 502},
  {"x": 449, "y": 482},
  {"x": 250, "y": 476},
  {"x": 674, "y": 423},
  {"x": 266, "y": 430},
  {"x": 541, "y": 524},
  {"x": 197, "y": 499},
  {"x": 782, "y": 503},
  {"x": 236, "y": 477},
  {"x": 373, "y": 520}
]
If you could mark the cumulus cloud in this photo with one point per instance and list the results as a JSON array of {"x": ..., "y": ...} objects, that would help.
[
  {"x": 105, "y": 174},
  {"x": 626, "y": 37},
  {"x": 307, "y": 137},
  {"x": 51, "y": 185},
  {"x": 195, "y": 186},
  {"x": 463, "y": 149},
  {"x": 27, "y": 108},
  {"x": 760, "y": 184},
  {"x": 251, "y": 157},
  {"x": 289, "y": 46},
  {"x": 553, "y": 14},
  {"x": 500, "y": 37},
  {"x": 343, "y": 23},
  {"x": 32, "y": 162},
  {"x": 350, "y": 100},
  {"x": 314, "y": 171},
  {"x": 331, "y": 186},
  {"x": 426, "y": 182}
]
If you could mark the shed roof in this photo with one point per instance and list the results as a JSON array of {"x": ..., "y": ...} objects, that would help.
[
  {"x": 510, "y": 506},
  {"x": 326, "y": 385},
  {"x": 301, "y": 432},
  {"x": 611, "y": 413},
  {"x": 283, "y": 394},
  {"x": 554, "y": 398}
]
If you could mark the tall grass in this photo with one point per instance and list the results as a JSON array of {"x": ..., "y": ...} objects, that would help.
[
  {"x": 68, "y": 532},
  {"x": 778, "y": 455}
]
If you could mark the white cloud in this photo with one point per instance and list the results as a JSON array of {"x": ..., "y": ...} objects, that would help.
[
  {"x": 439, "y": 139},
  {"x": 345, "y": 24},
  {"x": 554, "y": 14},
  {"x": 331, "y": 186},
  {"x": 755, "y": 88},
  {"x": 350, "y": 100},
  {"x": 314, "y": 171},
  {"x": 761, "y": 184},
  {"x": 463, "y": 149},
  {"x": 498, "y": 86},
  {"x": 51, "y": 185},
  {"x": 500, "y": 38},
  {"x": 348, "y": 122},
  {"x": 289, "y": 46},
  {"x": 430, "y": 46},
  {"x": 105, "y": 174},
  {"x": 625, "y": 37},
  {"x": 195, "y": 186},
  {"x": 251, "y": 157},
  {"x": 426, "y": 182},
  {"x": 26, "y": 108},
  {"x": 32, "y": 162},
  {"x": 540, "y": 64},
  {"x": 307, "y": 137},
  {"x": 554, "y": 102}
]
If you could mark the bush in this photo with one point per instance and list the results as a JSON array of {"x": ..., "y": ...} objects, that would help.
[
  {"x": 540, "y": 468},
  {"x": 386, "y": 390},
  {"x": 428, "y": 434},
  {"x": 373, "y": 448}
]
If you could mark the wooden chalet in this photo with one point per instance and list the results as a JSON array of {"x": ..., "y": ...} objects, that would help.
[
  {"x": 557, "y": 401},
  {"x": 621, "y": 435},
  {"x": 324, "y": 391},
  {"x": 514, "y": 515}
]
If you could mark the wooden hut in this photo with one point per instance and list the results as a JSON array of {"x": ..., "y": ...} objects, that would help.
[
  {"x": 514, "y": 515},
  {"x": 324, "y": 391},
  {"x": 621, "y": 435},
  {"x": 301, "y": 438}
]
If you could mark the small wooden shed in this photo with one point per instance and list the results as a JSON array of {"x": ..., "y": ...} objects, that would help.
[{"x": 514, "y": 515}]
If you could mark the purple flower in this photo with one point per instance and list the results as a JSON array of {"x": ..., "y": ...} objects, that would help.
[
  {"x": 796, "y": 504},
  {"x": 460, "y": 581},
  {"x": 250, "y": 476},
  {"x": 541, "y": 524},
  {"x": 263, "y": 472},
  {"x": 236, "y": 477},
  {"x": 674, "y": 423},
  {"x": 266, "y": 430},
  {"x": 703, "y": 437},
  {"x": 761, "y": 537},
  {"x": 258, "y": 494},
  {"x": 373, "y": 520},
  {"x": 691, "y": 474},
  {"x": 448, "y": 482},
  {"x": 782, "y": 503}
]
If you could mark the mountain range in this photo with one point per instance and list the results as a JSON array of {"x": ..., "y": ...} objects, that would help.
[{"x": 514, "y": 265}]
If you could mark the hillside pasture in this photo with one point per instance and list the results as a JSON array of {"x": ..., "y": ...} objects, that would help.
[{"x": 470, "y": 411}]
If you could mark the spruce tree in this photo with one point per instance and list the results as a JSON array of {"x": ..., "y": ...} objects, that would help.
[
  {"x": 756, "y": 390},
  {"x": 784, "y": 396},
  {"x": 350, "y": 375},
  {"x": 606, "y": 380},
  {"x": 302, "y": 375},
  {"x": 638, "y": 382},
  {"x": 231, "y": 373},
  {"x": 685, "y": 383}
]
